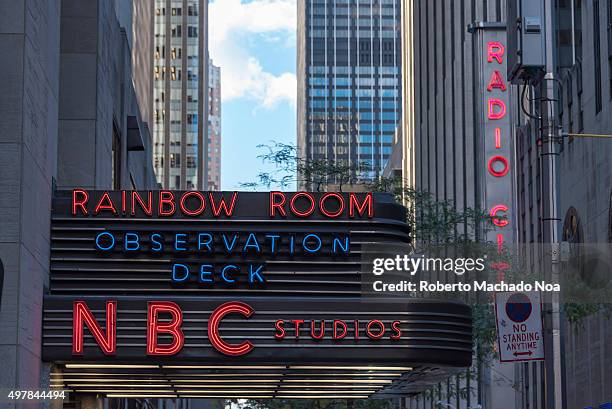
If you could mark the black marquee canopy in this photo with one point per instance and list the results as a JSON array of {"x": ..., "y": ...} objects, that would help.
[{"x": 236, "y": 294}]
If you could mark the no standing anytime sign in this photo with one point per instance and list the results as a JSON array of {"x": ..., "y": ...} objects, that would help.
[{"x": 519, "y": 326}]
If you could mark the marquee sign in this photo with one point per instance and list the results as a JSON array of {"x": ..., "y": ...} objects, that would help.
[{"x": 162, "y": 278}]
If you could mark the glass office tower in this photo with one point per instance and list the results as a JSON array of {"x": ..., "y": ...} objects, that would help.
[
  {"x": 181, "y": 94},
  {"x": 349, "y": 81}
]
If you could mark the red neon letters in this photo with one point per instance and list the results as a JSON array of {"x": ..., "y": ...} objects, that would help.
[
  {"x": 498, "y": 173},
  {"x": 497, "y": 109},
  {"x": 213, "y": 328},
  {"x": 223, "y": 205},
  {"x": 167, "y": 203},
  {"x": 190, "y": 212},
  {"x": 330, "y": 204},
  {"x": 166, "y": 317},
  {"x": 173, "y": 327},
  {"x": 80, "y": 198},
  {"x": 82, "y": 315},
  {"x": 497, "y": 165},
  {"x": 495, "y": 51},
  {"x": 496, "y": 81},
  {"x": 494, "y": 214},
  {"x": 338, "y": 330}
]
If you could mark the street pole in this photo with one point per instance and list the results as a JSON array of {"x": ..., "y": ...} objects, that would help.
[{"x": 550, "y": 133}]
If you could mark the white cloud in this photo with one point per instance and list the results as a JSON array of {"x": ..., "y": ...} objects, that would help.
[{"x": 232, "y": 24}]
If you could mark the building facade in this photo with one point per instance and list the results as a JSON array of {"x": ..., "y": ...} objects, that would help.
[
  {"x": 451, "y": 144},
  {"x": 214, "y": 127},
  {"x": 73, "y": 106},
  {"x": 443, "y": 138},
  {"x": 349, "y": 81},
  {"x": 180, "y": 102},
  {"x": 583, "y": 66}
]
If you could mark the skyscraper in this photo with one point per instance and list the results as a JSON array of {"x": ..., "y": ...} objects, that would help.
[
  {"x": 214, "y": 127},
  {"x": 349, "y": 81},
  {"x": 181, "y": 93}
]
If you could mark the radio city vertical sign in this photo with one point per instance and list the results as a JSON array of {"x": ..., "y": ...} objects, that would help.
[{"x": 496, "y": 133}]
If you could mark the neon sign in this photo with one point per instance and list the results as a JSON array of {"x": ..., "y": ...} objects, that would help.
[
  {"x": 496, "y": 140},
  {"x": 178, "y": 273},
  {"x": 166, "y": 317},
  {"x": 166, "y": 203},
  {"x": 246, "y": 251}
]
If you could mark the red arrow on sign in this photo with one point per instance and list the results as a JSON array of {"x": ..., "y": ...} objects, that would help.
[{"x": 523, "y": 353}]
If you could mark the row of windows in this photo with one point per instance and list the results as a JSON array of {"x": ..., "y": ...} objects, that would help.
[
  {"x": 348, "y": 104},
  {"x": 361, "y": 12},
  {"x": 368, "y": 150},
  {"x": 176, "y": 31},
  {"x": 368, "y": 70},
  {"x": 360, "y": 2},
  {"x": 362, "y": 104},
  {"x": 361, "y": 92},
  {"x": 192, "y": 10},
  {"x": 348, "y": 92},
  {"x": 384, "y": 33},
  {"x": 361, "y": 128},
  {"x": 365, "y": 7},
  {"x": 175, "y": 161},
  {"x": 343, "y": 138},
  {"x": 359, "y": 81},
  {"x": 366, "y": 21},
  {"x": 355, "y": 126},
  {"x": 160, "y": 96},
  {"x": 366, "y": 116},
  {"x": 175, "y": 74},
  {"x": 343, "y": 150}
]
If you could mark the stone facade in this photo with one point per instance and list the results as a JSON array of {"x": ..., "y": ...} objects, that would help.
[
  {"x": 65, "y": 94},
  {"x": 442, "y": 147},
  {"x": 29, "y": 96},
  {"x": 584, "y": 177}
]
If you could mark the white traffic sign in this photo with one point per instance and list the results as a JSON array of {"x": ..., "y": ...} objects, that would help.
[{"x": 519, "y": 326}]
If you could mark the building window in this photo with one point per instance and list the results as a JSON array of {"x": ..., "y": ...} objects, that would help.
[
  {"x": 610, "y": 76},
  {"x": 116, "y": 159},
  {"x": 579, "y": 94},
  {"x": 609, "y": 5},
  {"x": 175, "y": 160},
  {"x": 597, "y": 55},
  {"x": 610, "y": 219},
  {"x": 192, "y": 10},
  {"x": 572, "y": 233},
  {"x": 577, "y": 29}
]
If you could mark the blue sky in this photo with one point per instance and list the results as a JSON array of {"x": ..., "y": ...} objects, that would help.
[{"x": 254, "y": 44}]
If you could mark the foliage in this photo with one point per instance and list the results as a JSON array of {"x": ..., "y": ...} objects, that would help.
[
  {"x": 576, "y": 312},
  {"x": 434, "y": 221},
  {"x": 289, "y": 168}
]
